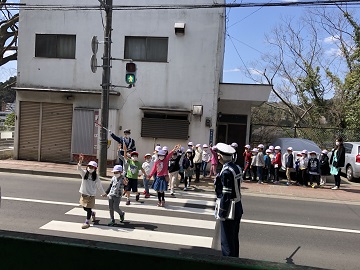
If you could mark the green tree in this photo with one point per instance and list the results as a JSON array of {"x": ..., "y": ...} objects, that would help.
[
  {"x": 10, "y": 120},
  {"x": 7, "y": 94},
  {"x": 347, "y": 88}
]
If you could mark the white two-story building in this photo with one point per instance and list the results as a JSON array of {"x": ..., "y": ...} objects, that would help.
[{"x": 179, "y": 94}]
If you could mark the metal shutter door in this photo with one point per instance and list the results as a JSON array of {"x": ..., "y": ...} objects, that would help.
[
  {"x": 29, "y": 130},
  {"x": 83, "y": 141},
  {"x": 56, "y": 130},
  {"x": 165, "y": 128}
]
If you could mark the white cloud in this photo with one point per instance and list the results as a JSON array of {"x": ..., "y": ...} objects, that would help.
[
  {"x": 255, "y": 71},
  {"x": 331, "y": 39},
  {"x": 233, "y": 70},
  {"x": 333, "y": 52}
]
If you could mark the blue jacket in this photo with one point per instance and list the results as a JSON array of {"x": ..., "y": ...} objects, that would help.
[
  {"x": 130, "y": 143},
  {"x": 225, "y": 191}
]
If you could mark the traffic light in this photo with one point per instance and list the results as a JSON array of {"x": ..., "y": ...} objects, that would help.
[{"x": 130, "y": 76}]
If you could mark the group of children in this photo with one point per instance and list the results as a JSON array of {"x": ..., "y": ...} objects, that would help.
[
  {"x": 263, "y": 166},
  {"x": 163, "y": 166},
  {"x": 308, "y": 168}
]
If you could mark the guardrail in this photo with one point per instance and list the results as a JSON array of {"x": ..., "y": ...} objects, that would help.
[{"x": 6, "y": 137}]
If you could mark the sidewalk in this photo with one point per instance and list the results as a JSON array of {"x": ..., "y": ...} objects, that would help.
[{"x": 348, "y": 192}]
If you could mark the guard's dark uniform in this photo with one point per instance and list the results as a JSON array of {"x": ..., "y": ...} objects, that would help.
[
  {"x": 130, "y": 145},
  {"x": 225, "y": 192}
]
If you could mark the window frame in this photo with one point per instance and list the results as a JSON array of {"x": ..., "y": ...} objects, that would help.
[
  {"x": 57, "y": 55},
  {"x": 128, "y": 55}
]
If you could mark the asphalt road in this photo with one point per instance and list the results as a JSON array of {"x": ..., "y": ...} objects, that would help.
[{"x": 303, "y": 232}]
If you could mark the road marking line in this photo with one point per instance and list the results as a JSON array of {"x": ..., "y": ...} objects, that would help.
[
  {"x": 133, "y": 234},
  {"x": 180, "y": 200},
  {"x": 164, "y": 220},
  {"x": 168, "y": 207},
  {"x": 300, "y": 226},
  {"x": 39, "y": 201},
  {"x": 182, "y": 193},
  {"x": 135, "y": 205}
]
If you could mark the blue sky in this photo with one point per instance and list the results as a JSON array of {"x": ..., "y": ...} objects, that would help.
[{"x": 247, "y": 28}]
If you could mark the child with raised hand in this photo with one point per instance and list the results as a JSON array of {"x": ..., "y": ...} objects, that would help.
[
  {"x": 89, "y": 184},
  {"x": 147, "y": 166},
  {"x": 161, "y": 167},
  {"x": 114, "y": 193}
]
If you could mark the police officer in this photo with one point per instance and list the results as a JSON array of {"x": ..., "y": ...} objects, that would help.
[
  {"x": 129, "y": 142},
  {"x": 228, "y": 207}
]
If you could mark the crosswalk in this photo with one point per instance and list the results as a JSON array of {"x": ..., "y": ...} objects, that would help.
[{"x": 186, "y": 220}]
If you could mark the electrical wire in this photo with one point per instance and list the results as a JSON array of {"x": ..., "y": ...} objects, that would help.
[
  {"x": 324, "y": 3},
  {"x": 237, "y": 52}
]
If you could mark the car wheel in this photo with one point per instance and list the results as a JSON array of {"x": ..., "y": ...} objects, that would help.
[{"x": 349, "y": 173}]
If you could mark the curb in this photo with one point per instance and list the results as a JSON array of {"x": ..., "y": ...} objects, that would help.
[{"x": 43, "y": 173}]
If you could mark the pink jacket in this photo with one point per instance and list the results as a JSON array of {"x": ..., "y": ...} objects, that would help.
[
  {"x": 161, "y": 167},
  {"x": 214, "y": 159}
]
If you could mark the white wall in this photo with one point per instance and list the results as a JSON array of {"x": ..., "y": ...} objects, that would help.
[{"x": 191, "y": 75}]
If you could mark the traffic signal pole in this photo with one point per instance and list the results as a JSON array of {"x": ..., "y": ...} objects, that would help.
[{"x": 106, "y": 81}]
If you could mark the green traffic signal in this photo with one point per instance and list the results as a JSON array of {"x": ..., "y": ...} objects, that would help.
[{"x": 130, "y": 78}]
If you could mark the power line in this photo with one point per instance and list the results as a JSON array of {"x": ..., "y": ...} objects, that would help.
[
  {"x": 24, "y": 6},
  {"x": 247, "y": 16},
  {"x": 237, "y": 52}
]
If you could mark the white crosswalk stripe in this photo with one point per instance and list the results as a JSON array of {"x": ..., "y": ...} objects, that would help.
[
  {"x": 166, "y": 220},
  {"x": 186, "y": 220},
  {"x": 133, "y": 234}
]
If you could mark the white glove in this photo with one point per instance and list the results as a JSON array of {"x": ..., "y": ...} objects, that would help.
[{"x": 110, "y": 132}]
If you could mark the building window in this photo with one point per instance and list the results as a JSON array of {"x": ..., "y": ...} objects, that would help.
[
  {"x": 165, "y": 125},
  {"x": 150, "y": 49},
  {"x": 55, "y": 46}
]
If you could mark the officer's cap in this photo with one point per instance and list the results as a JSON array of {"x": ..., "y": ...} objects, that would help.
[
  {"x": 127, "y": 131},
  {"x": 225, "y": 149}
]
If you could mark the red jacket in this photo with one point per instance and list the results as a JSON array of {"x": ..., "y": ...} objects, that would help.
[
  {"x": 247, "y": 155},
  {"x": 277, "y": 159}
]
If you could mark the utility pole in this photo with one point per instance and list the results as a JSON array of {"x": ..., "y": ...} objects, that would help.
[{"x": 106, "y": 81}]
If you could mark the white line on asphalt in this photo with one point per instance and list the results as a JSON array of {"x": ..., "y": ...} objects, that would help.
[
  {"x": 165, "y": 220},
  {"x": 133, "y": 234},
  {"x": 135, "y": 205},
  {"x": 195, "y": 211},
  {"x": 181, "y": 193},
  {"x": 39, "y": 201},
  {"x": 293, "y": 197},
  {"x": 168, "y": 207},
  {"x": 299, "y": 226},
  {"x": 170, "y": 198}
]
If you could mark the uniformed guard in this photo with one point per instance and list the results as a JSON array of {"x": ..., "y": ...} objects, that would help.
[
  {"x": 228, "y": 207},
  {"x": 129, "y": 142}
]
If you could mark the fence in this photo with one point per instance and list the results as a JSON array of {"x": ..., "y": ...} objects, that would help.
[
  {"x": 6, "y": 137},
  {"x": 324, "y": 137}
]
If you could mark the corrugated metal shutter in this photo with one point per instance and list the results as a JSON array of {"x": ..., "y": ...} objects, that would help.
[
  {"x": 56, "y": 132},
  {"x": 83, "y": 132},
  {"x": 29, "y": 130},
  {"x": 165, "y": 128}
]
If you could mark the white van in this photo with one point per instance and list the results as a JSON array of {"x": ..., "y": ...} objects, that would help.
[{"x": 298, "y": 145}]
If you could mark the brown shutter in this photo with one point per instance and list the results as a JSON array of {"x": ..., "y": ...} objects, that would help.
[
  {"x": 56, "y": 132},
  {"x": 165, "y": 128},
  {"x": 29, "y": 130}
]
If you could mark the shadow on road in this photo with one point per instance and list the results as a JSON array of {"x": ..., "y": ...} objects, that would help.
[{"x": 290, "y": 260}]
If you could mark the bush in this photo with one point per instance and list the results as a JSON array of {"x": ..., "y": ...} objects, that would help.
[{"x": 10, "y": 120}]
